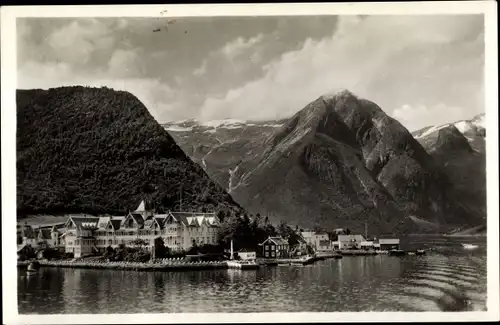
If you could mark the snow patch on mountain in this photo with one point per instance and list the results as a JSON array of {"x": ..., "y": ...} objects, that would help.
[
  {"x": 227, "y": 123},
  {"x": 431, "y": 130},
  {"x": 480, "y": 121},
  {"x": 268, "y": 125},
  {"x": 464, "y": 126},
  {"x": 177, "y": 128}
]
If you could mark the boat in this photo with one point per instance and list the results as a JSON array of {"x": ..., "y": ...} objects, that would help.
[
  {"x": 32, "y": 268},
  {"x": 242, "y": 265},
  {"x": 469, "y": 246},
  {"x": 297, "y": 264},
  {"x": 397, "y": 252},
  {"x": 420, "y": 252},
  {"x": 411, "y": 253}
]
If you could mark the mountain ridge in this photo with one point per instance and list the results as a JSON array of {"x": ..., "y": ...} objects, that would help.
[
  {"x": 95, "y": 150},
  {"x": 387, "y": 151}
]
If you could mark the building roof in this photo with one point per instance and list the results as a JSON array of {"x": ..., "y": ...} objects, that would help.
[
  {"x": 389, "y": 241},
  {"x": 136, "y": 217},
  {"x": 103, "y": 222},
  {"x": 84, "y": 222},
  {"x": 307, "y": 233},
  {"x": 246, "y": 250},
  {"x": 44, "y": 233},
  {"x": 357, "y": 238},
  {"x": 144, "y": 206},
  {"x": 115, "y": 223},
  {"x": 276, "y": 241},
  {"x": 195, "y": 219}
]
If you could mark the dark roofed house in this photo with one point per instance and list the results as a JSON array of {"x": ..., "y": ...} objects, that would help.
[{"x": 275, "y": 247}]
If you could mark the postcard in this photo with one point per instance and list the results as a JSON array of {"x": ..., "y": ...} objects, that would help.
[{"x": 250, "y": 163}]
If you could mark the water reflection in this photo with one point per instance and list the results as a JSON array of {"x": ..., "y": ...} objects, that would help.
[{"x": 449, "y": 280}]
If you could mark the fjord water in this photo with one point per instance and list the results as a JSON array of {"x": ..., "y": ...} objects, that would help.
[{"x": 448, "y": 278}]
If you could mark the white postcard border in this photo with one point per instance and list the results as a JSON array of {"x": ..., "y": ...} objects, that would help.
[{"x": 8, "y": 133}]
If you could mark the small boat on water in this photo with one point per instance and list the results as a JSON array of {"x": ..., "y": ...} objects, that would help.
[
  {"x": 32, "y": 268},
  {"x": 397, "y": 252},
  {"x": 469, "y": 246},
  {"x": 420, "y": 252}
]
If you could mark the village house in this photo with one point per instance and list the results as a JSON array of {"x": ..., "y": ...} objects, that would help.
[
  {"x": 301, "y": 247},
  {"x": 275, "y": 247},
  {"x": 42, "y": 236},
  {"x": 179, "y": 230},
  {"x": 318, "y": 240},
  {"x": 345, "y": 242},
  {"x": 348, "y": 242}
]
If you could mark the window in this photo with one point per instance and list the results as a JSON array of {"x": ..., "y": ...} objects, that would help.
[
  {"x": 110, "y": 242},
  {"x": 267, "y": 254},
  {"x": 266, "y": 247},
  {"x": 273, "y": 247},
  {"x": 273, "y": 254}
]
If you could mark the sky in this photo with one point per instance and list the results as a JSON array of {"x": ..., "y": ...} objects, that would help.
[{"x": 421, "y": 70}]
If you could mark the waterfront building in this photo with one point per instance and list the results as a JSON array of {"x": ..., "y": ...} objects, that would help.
[
  {"x": 246, "y": 254},
  {"x": 388, "y": 243},
  {"x": 318, "y": 240},
  {"x": 275, "y": 247},
  {"x": 349, "y": 242},
  {"x": 42, "y": 236},
  {"x": 301, "y": 247},
  {"x": 179, "y": 230},
  {"x": 367, "y": 244}
]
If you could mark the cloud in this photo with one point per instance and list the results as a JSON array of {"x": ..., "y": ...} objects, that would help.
[
  {"x": 375, "y": 57},
  {"x": 240, "y": 46},
  {"x": 75, "y": 43},
  {"x": 262, "y": 68},
  {"x": 124, "y": 63},
  {"x": 417, "y": 117}
]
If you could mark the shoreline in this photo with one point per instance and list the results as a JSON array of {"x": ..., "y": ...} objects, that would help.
[
  {"x": 164, "y": 264},
  {"x": 135, "y": 266}
]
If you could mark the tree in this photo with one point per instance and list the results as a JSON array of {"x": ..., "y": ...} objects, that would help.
[
  {"x": 138, "y": 242},
  {"x": 283, "y": 229},
  {"x": 109, "y": 252},
  {"x": 161, "y": 251}
]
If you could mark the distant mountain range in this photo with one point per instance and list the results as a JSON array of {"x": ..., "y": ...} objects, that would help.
[
  {"x": 459, "y": 148},
  {"x": 220, "y": 146},
  {"x": 341, "y": 161}
]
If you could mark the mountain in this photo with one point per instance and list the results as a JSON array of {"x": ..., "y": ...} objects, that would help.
[
  {"x": 342, "y": 161},
  {"x": 459, "y": 148},
  {"x": 219, "y": 146},
  {"x": 96, "y": 150}
]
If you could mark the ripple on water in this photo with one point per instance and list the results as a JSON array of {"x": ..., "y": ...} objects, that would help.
[{"x": 350, "y": 284}]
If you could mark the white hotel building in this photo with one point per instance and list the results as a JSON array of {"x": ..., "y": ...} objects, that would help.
[{"x": 179, "y": 230}]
